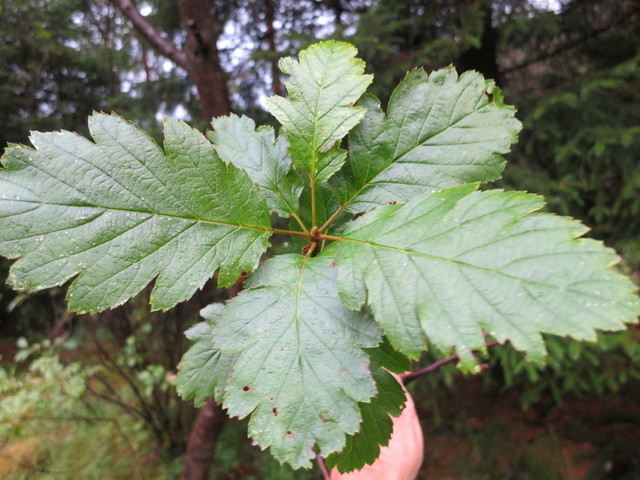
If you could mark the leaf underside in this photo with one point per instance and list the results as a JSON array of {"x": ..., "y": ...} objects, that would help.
[
  {"x": 431, "y": 260},
  {"x": 440, "y": 130},
  {"x": 204, "y": 370},
  {"x": 300, "y": 371},
  {"x": 376, "y": 428},
  {"x": 454, "y": 264},
  {"x": 324, "y": 84},
  {"x": 121, "y": 212},
  {"x": 265, "y": 159}
]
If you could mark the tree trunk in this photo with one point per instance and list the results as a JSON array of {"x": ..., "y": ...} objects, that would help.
[
  {"x": 203, "y": 62},
  {"x": 484, "y": 58},
  {"x": 202, "y": 442},
  {"x": 200, "y": 58},
  {"x": 269, "y": 18}
]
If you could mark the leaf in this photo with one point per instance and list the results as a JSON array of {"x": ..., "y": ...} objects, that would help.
[
  {"x": 324, "y": 85},
  {"x": 204, "y": 370},
  {"x": 198, "y": 331},
  {"x": 440, "y": 130},
  {"x": 453, "y": 264},
  {"x": 389, "y": 358},
  {"x": 363, "y": 448},
  {"x": 119, "y": 213},
  {"x": 264, "y": 158},
  {"x": 300, "y": 373}
]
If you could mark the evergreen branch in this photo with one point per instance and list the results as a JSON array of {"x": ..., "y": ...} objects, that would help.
[{"x": 569, "y": 45}]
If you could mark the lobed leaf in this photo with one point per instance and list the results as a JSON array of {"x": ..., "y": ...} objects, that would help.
[
  {"x": 300, "y": 372},
  {"x": 264, "y": 158},
  {"x": 454, "y": 264},
  {"x": 388, "y": 357},
  {"x": 204, "y": 370},
  {"x": 440, "y": 130},
  {"x": 296, "y": 349},
  {"x": 121, "y": 212},
  {"x": 363, "y": 448},
  {"x": 325, "y": 83}
]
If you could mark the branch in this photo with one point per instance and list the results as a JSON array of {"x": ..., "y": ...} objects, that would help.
[
  {"x": 410, "y": 377},
  {"x": 150, "y": 33},
  {"x": 323, "y": 468}
]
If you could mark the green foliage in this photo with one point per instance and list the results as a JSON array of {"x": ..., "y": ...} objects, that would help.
[
  {"x": 264, "y": 159},
  {"x": 534, "y": 272},
  {"x": 300, "y": 372},
  {"x": 52, "y": 73},
  {"x": 571, "y": 368},
  {"x": 440, "y": 130},
  {"x": 51, "y": 425},
  {"x": 150, "y": 216},
  {"x": 376, "y": 428},
  {"x": 48, "y": 378},
  {"x": 585, "y": 137},
  {"x": 324, "y": 85},
  {"x": 204, "y": 369},
  {"x": 297, "y": 348}
]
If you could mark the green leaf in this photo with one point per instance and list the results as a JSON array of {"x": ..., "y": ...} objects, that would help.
[
  {"x": 300, "y": 373},
  {"x": 204, "y": 370},
  {"x": 376, "y": 428},
  {"x": 453, "y": 264},
  {"x": 325, "y": 83},
  {"x": 440, "y": 130},
  {"x": 389, "y": 358},
  {"x": 119, "y": 213},
  {"x": 265, "y": 160}
]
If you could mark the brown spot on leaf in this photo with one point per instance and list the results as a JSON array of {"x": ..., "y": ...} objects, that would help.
[
  {"x": 246, "y": 388},
  {"x": 275, "y": 411},
  {"x": 289, "y": 434},
  {"x": 324, "y": 420}
]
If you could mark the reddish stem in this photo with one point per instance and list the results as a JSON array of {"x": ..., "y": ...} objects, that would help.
[{"x": 410, "y": 377}]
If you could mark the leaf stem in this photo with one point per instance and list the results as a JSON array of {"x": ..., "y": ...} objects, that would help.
[
  {"x": 324, "y": 227},
  {"x": 293, "y": 233},
  {"x": 323, "y": 468},
  {"x": 329, "y": 237},
  {"x": 312, "y": 185},
  {"x": 309, "y": 253},
  {"x": 302, "y": 225},
  {"x": 410, "y": 377}
]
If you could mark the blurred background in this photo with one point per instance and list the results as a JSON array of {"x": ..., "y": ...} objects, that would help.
[{"x": 92, "y": 396}]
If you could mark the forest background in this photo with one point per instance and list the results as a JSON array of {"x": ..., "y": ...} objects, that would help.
[{"x": 92, "y": 396}]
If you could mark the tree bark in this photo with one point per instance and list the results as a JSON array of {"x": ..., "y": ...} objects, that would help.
[
  {"x": 202, "y": 442},
  {"x": 199, "y": 57},
  {"x": 150, "y": 33},
  {"x": 484, "y": 58},
  {"x": 269, "y": 17},
  {"x": 203, "y": 30}
]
